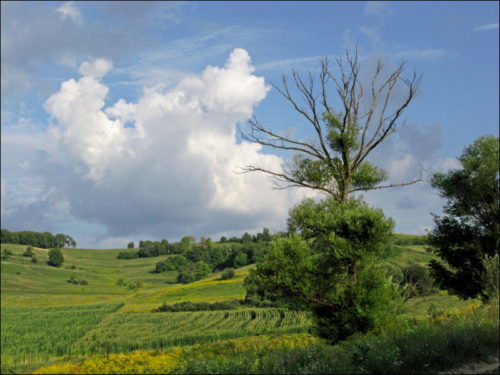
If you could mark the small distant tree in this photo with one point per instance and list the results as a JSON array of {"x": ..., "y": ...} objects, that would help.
[
  {"x": 28, "y": 252},
  {"x": 246, "y": 237},
  {"x": 223, "y": 239},
  {"x": 56, "y": 258},
  {"x": 33, "y": 259},
  {"x": 130, "y": 245}
]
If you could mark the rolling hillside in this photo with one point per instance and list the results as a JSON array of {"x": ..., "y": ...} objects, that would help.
[{"x": 46, "y": 319}]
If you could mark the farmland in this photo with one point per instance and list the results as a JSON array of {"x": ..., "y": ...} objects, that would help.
[{"x": 47, "y": 321}]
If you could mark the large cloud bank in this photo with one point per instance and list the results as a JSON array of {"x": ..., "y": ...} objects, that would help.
[{"x": 166, "y": 165}]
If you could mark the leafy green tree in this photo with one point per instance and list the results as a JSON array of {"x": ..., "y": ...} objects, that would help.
[
  {"x": 246, "y": 237},
  {"x": 28, "y": 252},
  {"x": 56, "y": 258},
  {"x": 178, "y": 261},
  {"x": 160, "y": 267},
  {"x": 201, "y": 269},
  {"x": 130, "y": 245},
  {"x": 468, "y": 235},
  {"x": 335, "y": 160},
  {"x": 240, "y": 260},
  {"x": 332, "y": 264}
]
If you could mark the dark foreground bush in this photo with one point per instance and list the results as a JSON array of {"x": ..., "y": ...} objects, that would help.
[{"x": 407, "y": 347}]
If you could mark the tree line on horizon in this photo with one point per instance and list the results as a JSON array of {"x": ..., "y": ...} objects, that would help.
[{"x": 45, "y": 240}]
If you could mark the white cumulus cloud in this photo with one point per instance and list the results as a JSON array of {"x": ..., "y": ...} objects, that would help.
[
  {"x": 69, "y": 10},
  {"x": 174, "y": 171}
]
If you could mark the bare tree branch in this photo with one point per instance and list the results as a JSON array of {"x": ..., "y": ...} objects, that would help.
[{"x": 343, "y": 138}]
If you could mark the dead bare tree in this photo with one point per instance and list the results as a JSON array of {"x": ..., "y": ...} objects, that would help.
[{"x": 335, "y": 162}]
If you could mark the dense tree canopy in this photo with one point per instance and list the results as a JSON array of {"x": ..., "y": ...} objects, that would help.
[
  {"x": 333, "y": 265},
  {"x": 44, "y": 240},
  {"x": 468, "y": 236}
]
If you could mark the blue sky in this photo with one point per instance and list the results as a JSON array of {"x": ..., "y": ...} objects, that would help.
[{"x": 119, "y": 118}]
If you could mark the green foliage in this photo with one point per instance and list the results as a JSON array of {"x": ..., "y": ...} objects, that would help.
[
  {"x": 127, "y": 255},
  {"x": 37, "y": 239},
  {"x": 227, "y": 274},
  {"x": 332, "y": 265},
  {"x": 56, "y": 258},
  {"x": 28, "y": 252},
  {"x": 491, "y": 275},
  {"x": 6, "y": 253},
  {"x": 193, "y": 272},
  {"x": 74, "y": 280},
  {"x": 418, "y": 280},
  {"x": 130, "y": 245},
  {"x": 407, "y": 239},
  {"x": 34, "y": 259},
  {"x": 178, "y": 261},
  {"x": 470, "y": 231}
]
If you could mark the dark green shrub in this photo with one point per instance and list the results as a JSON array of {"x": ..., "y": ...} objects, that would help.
[
  {"x": 34, "y": 260},
  {"x": 418, "y": 280},
  {"x": 160, "y": 267},
  {"x": 28, "y": 252},
  {"x": 227, "y": 274},
  {"x": 84, "y": 282},
  {"x": 128, "y": 254},
  {"x": 120, "y": 282},
  {"x": 6, "y": 253},
  {"x": 186, "y": 277},
  {"x": 56, "y": 258}
]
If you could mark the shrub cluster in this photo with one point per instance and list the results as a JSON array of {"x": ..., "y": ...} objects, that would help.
[
  {"x": 6, "y": 253},
  {"x": 227, "y": 274},
  {"x": 410, "y": 241},
  {"x": 74, "y": 280}
]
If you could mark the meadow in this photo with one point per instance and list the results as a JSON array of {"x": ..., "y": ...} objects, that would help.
[{"x": 108, "y": 326}]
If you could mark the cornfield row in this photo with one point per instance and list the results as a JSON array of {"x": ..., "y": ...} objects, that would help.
[
  {"x": 34, "y": 334},
  {"x": 123, "y": 332}
]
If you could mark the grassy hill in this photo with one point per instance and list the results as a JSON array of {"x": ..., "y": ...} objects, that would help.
[{"x": 46, "y": 319}]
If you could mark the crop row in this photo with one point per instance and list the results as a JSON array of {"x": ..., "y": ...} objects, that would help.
[
  {"x": 123, "y": 332},
  {"x": 34, "y": 334}
]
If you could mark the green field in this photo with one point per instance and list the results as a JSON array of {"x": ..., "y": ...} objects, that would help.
[{"x": 45, "y": 319}]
